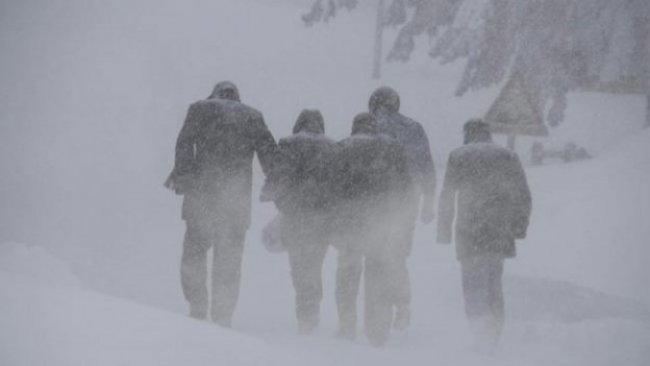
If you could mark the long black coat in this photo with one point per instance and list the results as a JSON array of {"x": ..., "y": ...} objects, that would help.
[
  {"x": 367, "y": 166},
  {"x": 494, "y": 201},
  {"x": 298, "y": 184},
  {"x": 384, "y": 104},
  {"x": 412, "y": 136},
  {"x": 214, "y": 155},
  {"x": 370, "y": 182}
]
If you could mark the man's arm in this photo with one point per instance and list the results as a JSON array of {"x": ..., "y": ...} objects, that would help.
[
  {"x": 399, "y": 159},
  {"x": 278, "y": 178},
  {"x": 428, "y": 174},
  {"x": 447, "y": 205},
  {"x": 182, "y": 176},
  {"x": 522, "y": 200},
  {"x": 264, "y": 145}
]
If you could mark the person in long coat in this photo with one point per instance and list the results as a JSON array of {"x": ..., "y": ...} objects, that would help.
[
  {"x": 384, "y": 104},
  {"x": 298, "y": 188},
  {"x": 486, "y": 190},
  {"x": 213, "y": 172},
  {"x": 370, "y": 183}
]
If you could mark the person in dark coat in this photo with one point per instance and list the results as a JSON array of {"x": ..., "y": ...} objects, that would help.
[
  {"x": 297, "y": 186},
  {"x": 370, "y": 182},
  {"x": 213, "y": 172},
  {"x": 493, "y": 208},
  {"x": 384, "y": 104}
]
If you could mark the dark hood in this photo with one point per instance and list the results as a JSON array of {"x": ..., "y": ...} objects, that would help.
[
  {"x": 385, "y": 98},
  {"x": 225, "y": 90},
  {"x": 310, "y": 120},
  {"x": 476, "y": 130},
  {"x": 364, "y": 123}
]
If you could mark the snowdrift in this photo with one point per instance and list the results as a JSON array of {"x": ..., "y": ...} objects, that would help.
[{"x": 48, "y": 318}]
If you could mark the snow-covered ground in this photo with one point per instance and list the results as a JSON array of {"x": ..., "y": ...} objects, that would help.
[{"x": 92, "y": 95}]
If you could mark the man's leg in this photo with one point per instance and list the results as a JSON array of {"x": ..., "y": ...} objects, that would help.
[
  {"x": 348, "y": 277},
  {"x": 474, "y": 288},
  {"x": 401, "y": 280},
  {"x": 226, "y": 272},
  {"x": 403, "y": 223},
  {"x": 194, "y": 268},
  {"x": 305, "y": 278},
  {"x": 483, "y": 297},
  {"x": 495, "y": 293},
  {"x": 306, "y": 261},
  {"x": 378, "y": 313}
]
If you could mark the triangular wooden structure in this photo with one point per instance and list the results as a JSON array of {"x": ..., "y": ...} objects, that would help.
[{"x": 516, "y": 110}]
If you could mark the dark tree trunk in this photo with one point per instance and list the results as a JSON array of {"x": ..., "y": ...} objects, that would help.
[
  {"x": 647, "y": 111},
  {"x": 379, "y": 40}
]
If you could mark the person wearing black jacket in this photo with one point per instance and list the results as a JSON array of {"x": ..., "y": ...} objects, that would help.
[
  {"x": 370, "y": 180},
  {"x": 486, "y": 190},
  {"x": 384, "y": 104},
  {"x": 298, "y": 188},
  {"x": 213, "y": 172}
]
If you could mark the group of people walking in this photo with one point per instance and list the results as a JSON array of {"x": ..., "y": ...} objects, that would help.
[{"x": 362, "y": 195}]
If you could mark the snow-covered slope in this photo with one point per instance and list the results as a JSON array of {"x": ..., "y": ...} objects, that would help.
[
  {"x": 92, "y": 95},
  {"x": 49, "y": 319},
  {"x": 590, "y": 222}
]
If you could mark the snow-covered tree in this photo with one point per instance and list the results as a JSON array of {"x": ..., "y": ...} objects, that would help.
[
  {"x": 556, "y": 45},
  {"x": 324, "y": 10}
]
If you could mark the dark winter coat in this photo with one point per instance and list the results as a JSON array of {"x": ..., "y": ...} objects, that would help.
[
  {"x": 368, "y": 170},
  {"x": 384, "y": 105},
  {"x": 214, "y": 155},
  {"x": 298, "y": 182},
  {"x": 494, "y": 202}
]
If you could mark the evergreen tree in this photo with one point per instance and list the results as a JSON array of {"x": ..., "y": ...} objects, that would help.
[{"x": 556, "y": 45}]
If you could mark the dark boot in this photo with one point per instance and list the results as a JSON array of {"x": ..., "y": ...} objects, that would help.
[
  {"x": 222, "y": 321},
  {"x": 402, "y": 318},
  {"x": 307, "y": 327},
  {"x": 198, "y": 312},
  {"x": 347, "y": 333}
]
